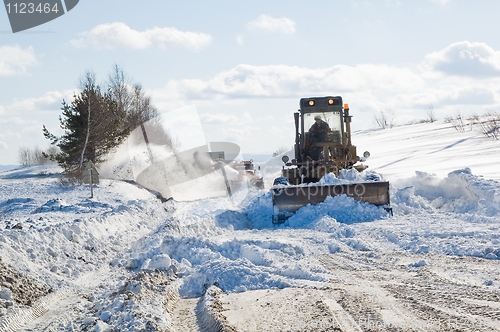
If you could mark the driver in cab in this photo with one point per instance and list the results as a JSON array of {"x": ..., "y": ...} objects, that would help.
[
  {"x": 317, "y": 134},
  {"x": 319, "y": 129}
]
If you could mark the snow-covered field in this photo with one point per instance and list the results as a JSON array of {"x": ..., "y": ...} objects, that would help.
[{"x": 126, "y": 261}]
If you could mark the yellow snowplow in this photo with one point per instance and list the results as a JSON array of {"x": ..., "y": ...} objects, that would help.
[{"x": 322, "y": 146}]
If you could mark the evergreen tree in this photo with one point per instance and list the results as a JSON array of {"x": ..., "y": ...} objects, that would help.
[{"x": 93, "y": 125}]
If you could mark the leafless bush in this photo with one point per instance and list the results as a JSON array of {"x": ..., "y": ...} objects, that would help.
[
  {"x": 491, "y": 126},
  {"x": 31, "y": 157},
  {"x": 416, "y": 121},
  {"x": 24, "y": 156},
  {"x": 430, "y": 113},
  {"x": 384, "y": 119},
  {"x": 457, "y": 122},
  {"x": 72, "y": 177},
  {"x": 474, "y": 119}
]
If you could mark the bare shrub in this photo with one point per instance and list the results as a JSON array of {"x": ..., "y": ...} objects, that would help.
[
  {"x": 24, "y": 156},
  {"x": 384, "y": 119},
  {"x": 31, "y": 157},
  {"x": 491, "y": 126},
  {"x": 72, "y": 177},
  {"x": 457, "y": 122},
  {"x": 39, "y": 158},
  {"x": 416, "y": 121},
  {"x": 474, "y": 119},
  {"x": 431, "y": 117}
]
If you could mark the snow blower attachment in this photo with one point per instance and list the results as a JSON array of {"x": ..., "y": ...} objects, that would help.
[
  {"x": 322, "y": 146},
  {"x": 248, "y": 173}
]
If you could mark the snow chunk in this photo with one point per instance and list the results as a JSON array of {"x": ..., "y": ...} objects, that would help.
[
  {"x": 420, "y": 263},
  {"x": 105, "y": 316},
  {"x": 88, "y": 320},
  {"x": 491, "y": 256},
  {"x": 5, "y": 294},
  {"x": 160, "y": 262}
]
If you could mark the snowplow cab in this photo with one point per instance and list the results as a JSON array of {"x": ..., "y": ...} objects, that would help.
[
  {"x": 322, "y": 141},
  {"x": 327, "y": 111},
  {"x": 322, "y": 145}
]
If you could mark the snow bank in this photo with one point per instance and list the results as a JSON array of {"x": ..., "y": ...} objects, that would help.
[{"x": 459, "y": 192}]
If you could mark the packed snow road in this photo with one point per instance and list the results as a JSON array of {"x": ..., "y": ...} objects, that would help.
[
  {"x": 371, "y": 294},
  {"x": 125, "y": 261}
]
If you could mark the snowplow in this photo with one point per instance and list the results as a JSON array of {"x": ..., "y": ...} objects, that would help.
[
  {"x": 246, "y": 171},
  {"x": 323, "y": 146}
]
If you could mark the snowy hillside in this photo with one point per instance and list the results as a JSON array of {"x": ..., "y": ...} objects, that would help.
[
  {"x": 8, "y": 167},
  {"x": 436, "y": 148},
  {"x": 126, "y": 261}
]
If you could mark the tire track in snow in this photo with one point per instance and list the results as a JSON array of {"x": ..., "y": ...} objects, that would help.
[
  {"x": 343, "y": 319},
  {"x": 385, "y": 293},
  {"x": 23, "y": 316},
  {"x": 358, "y": 288},
  {"x": 52, "y": 309}
]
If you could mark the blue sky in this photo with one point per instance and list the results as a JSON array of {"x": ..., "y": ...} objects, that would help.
[{"x": 244, "y": 65}]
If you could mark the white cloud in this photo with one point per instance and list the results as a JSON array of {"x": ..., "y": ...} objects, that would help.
[
  {"x": 218, "y": 118},
  {"x": 466, "y": 59},
  {"x": 21, "y": 121},
  {"x": 368, "y": 88},
  {"x": 253, "y": 105},
  {"x": 393, "y": 3},
  {"x": 119, "y": 35},
  {"x": 469, "y": 96},
  {"x": 247, "y": 81},
  {"x": 239, "y": 40},
  {"x": 14, "y": 120},
  {"x": 240, "y": 133},
  {"x": 442, "y": 2},
  {"x": 15, "y": 61},
  {"x": 268, "y": 23},
  {"x": 279, "y": 131},
  {"x": 3, "y": 146},
  {"x": 32, "y": 130},
  {"x": 49, "y": 101}
]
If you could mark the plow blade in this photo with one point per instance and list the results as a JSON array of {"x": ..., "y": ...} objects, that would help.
[{"x": 287, "y": 200}]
